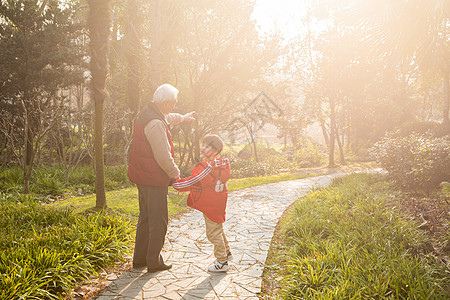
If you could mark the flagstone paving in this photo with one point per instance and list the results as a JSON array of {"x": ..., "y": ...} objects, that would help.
[{"x": 252, "y": 215}]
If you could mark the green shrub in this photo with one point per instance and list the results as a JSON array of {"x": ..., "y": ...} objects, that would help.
[
  {"x": 280, "y": 162},
  {"x": 82, "y": 175},
  {"x": 265, "y": 151},
  {"x": 48, "y": 181},
  {"x": 416, "y": 162},
  {"x": 116, "y": 177},
  {"x": 309, "y": 154},
  {"x": 249, "y": 168},
  {"x": 11, "y": 179},
  {"x": 420, "y": 127}
]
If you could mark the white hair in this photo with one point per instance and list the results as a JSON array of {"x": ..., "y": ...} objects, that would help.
[{"x": 164, "y": 93}]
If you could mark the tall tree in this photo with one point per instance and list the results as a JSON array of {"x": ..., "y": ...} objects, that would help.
[
  {"x": 133, "y": 50},
  {"x": 345, "y": 83},
  {"x": 413, "y": 31},
  {"x": 99, "y": 24},
  {"x": 37, "y": 57},
  {"x": 223, "y": 59}
]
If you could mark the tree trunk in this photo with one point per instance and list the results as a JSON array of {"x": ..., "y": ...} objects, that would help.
[
  {"x": 100, "y": 193},
  {"x": 183, "y": 152},
  {"x": 331, "y": 146},
  {"x": 190, "y": 154},
  {"x": 326, "y": 137},
  {"x": 27, "y": 154},
  {"x": 99, "y": 25},
  {"x": 250, "y": 132},
  {"x": 133, "y": 56},
  {"x": 196, "y": 142},
  {"x": 294, "y": 138},
  {"x": 26, "y": 178},
  {"x": 156, "y": 37},
  {"x": 446, "y": 120},
  {"x": 341, "y": 148},
  {"x": 29, "y": 147}
]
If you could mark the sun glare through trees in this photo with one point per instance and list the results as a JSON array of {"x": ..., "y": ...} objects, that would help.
[{"x": 288, "y": 85}]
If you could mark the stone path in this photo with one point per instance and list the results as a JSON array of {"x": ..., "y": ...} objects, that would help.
[{"x": 252, "y": 215}]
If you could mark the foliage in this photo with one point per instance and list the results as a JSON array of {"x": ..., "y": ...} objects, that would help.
[
  {"x": 345, "y": 243},
  {"x": 445, "y": 187},
  {"x": 82, "y": 175},
  {"x": 274, "y": 159},
  {"x": 416, "y": 162},
  {"x": 309, "y": 154},
  {"x": 212, "y": 51},
  {"x": 50, "y": 181},
  {"x": 420, "y": 127},
  {"x": 45, "y": 252},
  {"x": 388, "y": 72},
  {"x": 249, "y": 168},
  {"x": 11, "y": 179},
  {"x": 116, "y": 177},
  {"x": 37, "y": 47},
  {"x": 39, "y": 58},
  {"x": 281, "y": 162}
]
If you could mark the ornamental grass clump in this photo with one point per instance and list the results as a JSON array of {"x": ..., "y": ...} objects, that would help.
[
  {"x": 45, "y": 252},
  {"x": 347, "y": 244}
]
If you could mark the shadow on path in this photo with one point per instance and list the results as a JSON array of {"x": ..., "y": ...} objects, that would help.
[{"x": 205, "y": 287}]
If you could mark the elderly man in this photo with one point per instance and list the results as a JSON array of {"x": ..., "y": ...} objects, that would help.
[{"x": 152, "y": 169}]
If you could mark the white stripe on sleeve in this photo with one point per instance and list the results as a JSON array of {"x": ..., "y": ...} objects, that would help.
[{"x": 193, "y": 180}]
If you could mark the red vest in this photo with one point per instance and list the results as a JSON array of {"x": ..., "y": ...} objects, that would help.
[{"x": 143, "y": 168}]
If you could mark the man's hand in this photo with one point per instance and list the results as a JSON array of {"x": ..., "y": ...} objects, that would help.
[
  {"x": 172, "y": 180},
  {"x": 189, "y": 116}
]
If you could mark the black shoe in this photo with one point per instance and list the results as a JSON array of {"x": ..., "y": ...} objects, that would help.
[{"x": 159, "y": 268}]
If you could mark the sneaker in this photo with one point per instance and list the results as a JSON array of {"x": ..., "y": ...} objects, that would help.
[
  {"x": 230, "y": 256},
  {"x": 218, "y": 267}
]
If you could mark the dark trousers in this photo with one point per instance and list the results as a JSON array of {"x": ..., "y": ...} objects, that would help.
[{"x": 152, "y": 226}]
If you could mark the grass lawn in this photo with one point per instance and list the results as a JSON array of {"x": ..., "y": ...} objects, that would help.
[{"x": 126, "y": 200}]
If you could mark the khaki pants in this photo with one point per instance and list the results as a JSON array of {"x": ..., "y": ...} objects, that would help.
[{"x": 215, "y": 234}]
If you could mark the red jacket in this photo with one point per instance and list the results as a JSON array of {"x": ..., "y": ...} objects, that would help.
[
  {"x": 208, "y": 188},
  {"x": 143, "y": 168}
]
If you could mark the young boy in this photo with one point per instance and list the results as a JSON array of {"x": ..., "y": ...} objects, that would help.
[{"x": 208, "y": 193}]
